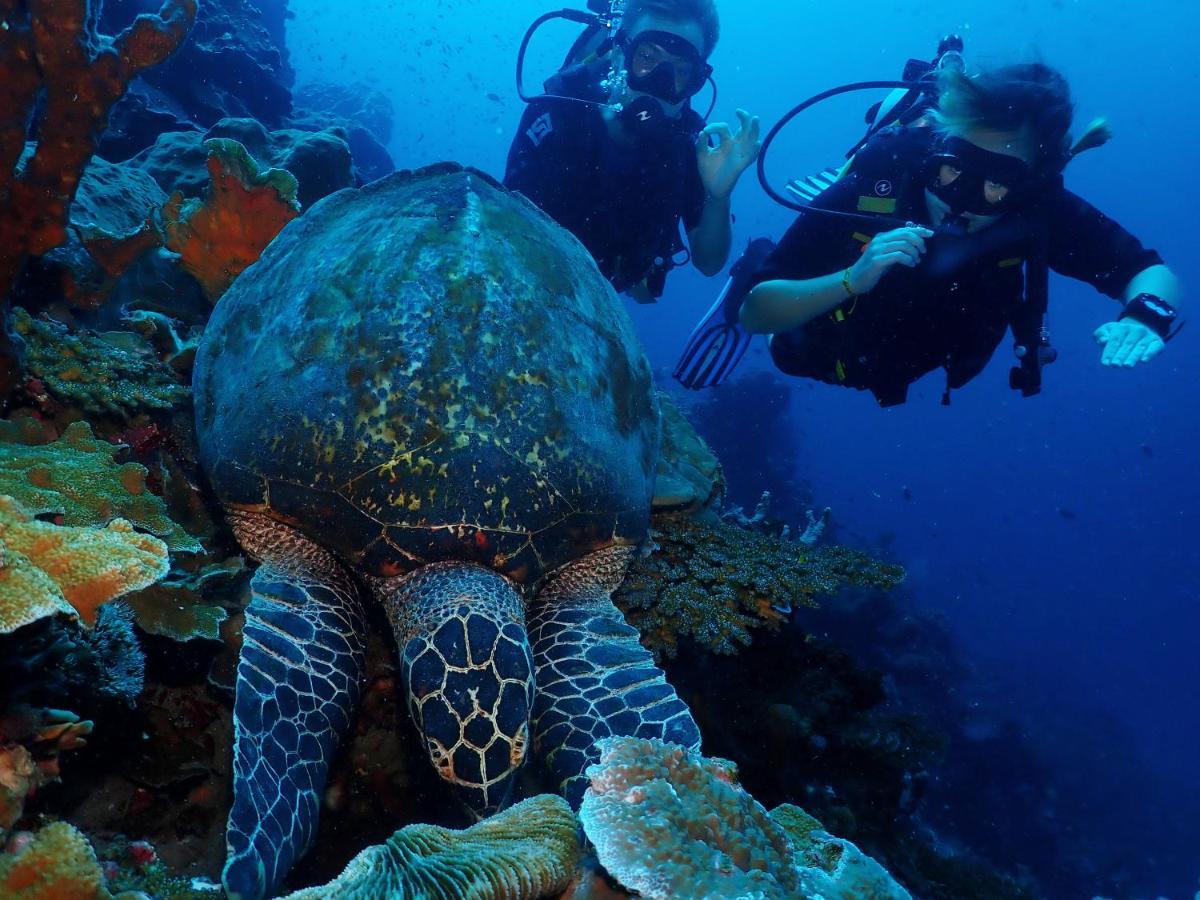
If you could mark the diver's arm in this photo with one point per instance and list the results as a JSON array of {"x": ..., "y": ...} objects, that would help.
[
  {"x": 776, "y": 306},
  {"x": 712, "y": 238},
  {"x": 1159, "y": 281},
  {"x": 781, "y": 305},
  {"x": 1127, "y": 342}
]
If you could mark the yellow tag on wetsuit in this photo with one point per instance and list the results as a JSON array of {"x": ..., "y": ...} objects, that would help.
[{"x": 882, "y": 205}]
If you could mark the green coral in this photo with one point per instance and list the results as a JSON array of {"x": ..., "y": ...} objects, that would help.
[
  {"x": 184, "y": 606},
  {"x": 78, "y": 479},
  {"x": 715, "y": 583},
  {"x": 530, "y": 850},
  {"x": 97, "y": 374}
]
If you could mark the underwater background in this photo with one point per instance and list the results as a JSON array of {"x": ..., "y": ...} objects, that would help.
[
  {"x": 1019, "y": 717},
  {"x": 1057, "y": 536}
]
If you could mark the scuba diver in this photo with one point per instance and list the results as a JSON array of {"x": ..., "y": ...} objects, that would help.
[
  {"x": 614, "y": 152},
  {"x": 937, "y": 238}
]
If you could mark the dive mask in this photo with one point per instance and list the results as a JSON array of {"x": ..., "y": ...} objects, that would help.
[
  {"x": 970, "y": 179},
  {"x": 663, "y": 65}
]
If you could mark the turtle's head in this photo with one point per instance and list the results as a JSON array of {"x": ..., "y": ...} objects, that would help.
[{"x": 468, "y": 668}]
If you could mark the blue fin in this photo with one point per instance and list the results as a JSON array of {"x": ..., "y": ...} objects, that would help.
[
  {"x": 594, "y": 678},
  {"x": 298, "y": 683}
]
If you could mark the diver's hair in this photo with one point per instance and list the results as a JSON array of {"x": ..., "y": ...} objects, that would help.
[
  {"x": 1030, "y": 98},
  {"x": 702, "y": 12}
]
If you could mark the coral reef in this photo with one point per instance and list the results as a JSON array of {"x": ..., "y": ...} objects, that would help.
[
  {"x": 666, "y": 822},
  {"x": 184, "y": 606},
  {"x": 689, "y": 476},
  {"x": 234, "y": 64},
  {"x": 47, "y": 565},
  {"x": 95, "y": 373},
  {"x": 49, "y": 48},
  {"x": 364, "y": 115},
  {"x": 78, "y": 478},
  {"x": 58, "y": 863},
  {"x": 714, "y": 583},
  {"x": 528, "y": 851},
  {"x": 245, "y": 209},
  {"x": 57, "y": 661},
  {"x": 320, "y": 160},
  {"x": 31, "y": 741}
]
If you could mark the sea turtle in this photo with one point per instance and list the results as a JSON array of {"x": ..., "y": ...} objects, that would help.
[{"x": 425, "y": 395}]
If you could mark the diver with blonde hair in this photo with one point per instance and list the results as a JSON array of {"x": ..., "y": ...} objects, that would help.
[{"x": 937, "y": 238}]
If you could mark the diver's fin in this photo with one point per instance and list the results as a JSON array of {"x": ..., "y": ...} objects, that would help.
[
  {"x": 718, "y": 343},
  {"x": 806, "y": 190}
]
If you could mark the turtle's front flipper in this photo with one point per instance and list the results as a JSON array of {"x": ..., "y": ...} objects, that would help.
[
  {"x": 469, "y": 671},
  {"x": 594, "y": 678},
  {"x": 298, "y": 683}
]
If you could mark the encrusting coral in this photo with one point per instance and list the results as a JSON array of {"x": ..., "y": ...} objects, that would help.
[
  {"x": 58, "y": 863},
  {"x": 530, "y": 850},
  {"x": 78, "y": 478},
  {"x": 50, "y": 53},
  {"x": 96, "y": 374},
  {"x": 667, "y": 822},
  {"x": 715, "y": 582},
  {"x": 45, "y": 566},
  {"x": 245, "y": 209}
]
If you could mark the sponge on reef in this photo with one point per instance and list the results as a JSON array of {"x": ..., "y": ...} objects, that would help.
[
  {"x": 528, "y": 851},
  {"x": 58, "y": 864},
  {"x": 47, "y": 569}
]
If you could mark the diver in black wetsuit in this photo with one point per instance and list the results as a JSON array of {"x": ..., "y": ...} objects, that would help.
[
  {"x": 877, "y": 308},
  {"x": 621, "y": 180}
]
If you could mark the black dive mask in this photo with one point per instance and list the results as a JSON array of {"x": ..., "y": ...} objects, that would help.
[
  {"x": 663, "y": 65},
  {"x": 970, "y": 179}
]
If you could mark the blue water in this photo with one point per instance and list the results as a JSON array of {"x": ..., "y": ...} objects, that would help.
[{"x": 1057, "y": 535}]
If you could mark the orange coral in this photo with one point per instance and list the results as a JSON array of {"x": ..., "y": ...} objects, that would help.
[
  {"x": 58, "y": 864},
  {"x": 85, "y": 567},
  {"x": 245, "y": 209},
  {"x": 48, "y": 47}
]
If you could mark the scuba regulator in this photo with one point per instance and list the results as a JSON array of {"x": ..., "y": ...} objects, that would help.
[{"x": 602, "y": 34}]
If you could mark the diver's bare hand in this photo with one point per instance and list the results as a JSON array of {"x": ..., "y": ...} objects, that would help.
[
  {"x": 724, "y": 156},
  {"x": 904, "y": 247},
  {"x": 1127, "y": 343}
]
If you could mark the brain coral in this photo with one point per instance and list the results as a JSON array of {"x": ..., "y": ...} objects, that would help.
[{"x": 528, "y": 851}]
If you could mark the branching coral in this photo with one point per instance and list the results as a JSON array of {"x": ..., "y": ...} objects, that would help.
[
  {"x": 528, "y": 851},
  {"x": 245, "y": 209},
  {"x": 96, "y": 374},
  {"x": 58, "y": 864},
  {"x": 666, "y": 823},
  {"x": 84, "y": 567},
  {"x": 49, "y": 48},
  {"x": 714, "y": 583},
  {"x": 77, "y": 477}
]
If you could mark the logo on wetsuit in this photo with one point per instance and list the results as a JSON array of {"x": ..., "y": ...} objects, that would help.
[
  {"x": 883, "y": 187},
  {"x": 541, "y": 129}
]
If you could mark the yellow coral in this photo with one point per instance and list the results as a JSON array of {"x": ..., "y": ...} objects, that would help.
[
  {"x": 528, "y": 851},
  {"x": 46, "y": 569},
  {"x": 78, "y": 478},
  {"x": 58, "y": 864}
]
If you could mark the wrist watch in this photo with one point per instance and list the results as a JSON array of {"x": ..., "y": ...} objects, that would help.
[{"x": 1154, "y": 312}]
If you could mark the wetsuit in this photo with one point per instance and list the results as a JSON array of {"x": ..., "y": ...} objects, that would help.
[
  {"x": 624, "y": 203},
  {"x": 952, "y": 310}
]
